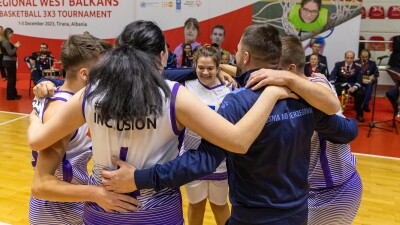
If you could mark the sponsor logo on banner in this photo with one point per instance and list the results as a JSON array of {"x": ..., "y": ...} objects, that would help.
[
  {"x": 166, "y": 4},
  {"x": 152, "y": 4},
  {"x": 192, "y": 3}
]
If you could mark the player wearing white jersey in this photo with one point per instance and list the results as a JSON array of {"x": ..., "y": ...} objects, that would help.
[
  {"x": 138, "y": 115},
  {"x": 59, "y": 185},
  {"x": 158, "y": 143},
  {"x": 214, "y": 186},
  {"x": 335, "y": 185},
  {"x": 72, "y": 169}
]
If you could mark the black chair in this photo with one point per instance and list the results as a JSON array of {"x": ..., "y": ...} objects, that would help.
[{"x": 30, "y": 66}]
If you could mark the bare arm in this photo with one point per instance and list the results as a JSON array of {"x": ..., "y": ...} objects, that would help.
[
  {"x": 229, "y": 69},
  {"x": 317, "y": 94},
  {"x": 192, "y": 113},
  {"x": 48, "y": 187}
]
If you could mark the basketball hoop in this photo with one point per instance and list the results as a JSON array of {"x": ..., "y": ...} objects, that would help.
[{"x": 345, "y": 10}]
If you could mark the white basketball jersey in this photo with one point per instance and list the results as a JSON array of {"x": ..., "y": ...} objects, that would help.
[
  {"x": 78, "y": 151},
  {"x": 73, "y": 169},
  {"x": 211, "y": 96},
  {"x": 141, "y": 143},
  {"x": 330, "y": 164}
]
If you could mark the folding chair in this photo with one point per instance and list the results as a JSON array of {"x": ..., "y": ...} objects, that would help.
[
  {"x": 376, "y": 12},
  {"x": 30, "y": 66},
  {"x": 394, "y": 12},
  {"x": 377, "y": 46}
]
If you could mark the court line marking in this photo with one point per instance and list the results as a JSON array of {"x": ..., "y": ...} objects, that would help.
[
  {"x": 14, "y": 113},
  {"x": 2, "y": 223},
  {"x": 10, "y": 121},
  {"x": 377, "y": 156},
  {"x": 362, "y": 154}
]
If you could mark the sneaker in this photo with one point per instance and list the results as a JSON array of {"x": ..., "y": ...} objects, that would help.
[
  {"x": 367, "y": 109},
  {"x": 360, "y": 118}
]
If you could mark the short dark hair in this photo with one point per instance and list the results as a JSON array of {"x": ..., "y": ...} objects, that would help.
[
  {"x": 215, "y": 45},
  {"x": 263, "y": 43},
  {"x": 81, "y": 50},
  {"x": 318, "y": 2},
  {"x": 292, "y": 53},
  {"x": 7, "y": 32},
  {"x": 367, "y": 51},
  {"x": 45, "y": 44},
  {"x": 218, "y": 26},
  {"x": 316, "y": 43}
]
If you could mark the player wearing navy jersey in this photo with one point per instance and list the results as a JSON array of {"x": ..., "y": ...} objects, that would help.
[{"x": 335, "y": 185}]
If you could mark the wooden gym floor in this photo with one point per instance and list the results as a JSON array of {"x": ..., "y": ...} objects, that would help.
[
  {"x": 378, "y": 165},
  {"x": 380, "y": 176}
]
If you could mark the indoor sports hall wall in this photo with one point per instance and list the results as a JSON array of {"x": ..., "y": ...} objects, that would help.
[{"x": 51, "y": 21}]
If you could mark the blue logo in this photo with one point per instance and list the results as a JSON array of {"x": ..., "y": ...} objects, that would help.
[{"x": 142, "y": 4}]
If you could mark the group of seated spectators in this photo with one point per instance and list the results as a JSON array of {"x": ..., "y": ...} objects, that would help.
[{"x": 356, "y": 77}]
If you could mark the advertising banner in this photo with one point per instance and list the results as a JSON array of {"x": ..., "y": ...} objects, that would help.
[{"x": 51, "y": 21}]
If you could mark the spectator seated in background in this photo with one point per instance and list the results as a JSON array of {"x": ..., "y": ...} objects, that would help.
[
  {"x": 316, "y": 49},
  {"x": 187, "y": 56},
  {"x": 313, "y": 66},
  {"x": 172, "y": 60},
  {"x": 41, "y": 60},
  {"x": 369, "y": 72},
  {"x": 347, "y": 75}
]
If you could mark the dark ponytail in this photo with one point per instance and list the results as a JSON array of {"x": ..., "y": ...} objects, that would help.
[{"x": 129, "y": 78}]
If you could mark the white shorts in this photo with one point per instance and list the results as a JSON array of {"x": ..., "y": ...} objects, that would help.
[{"x": 215, "y": 190}]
